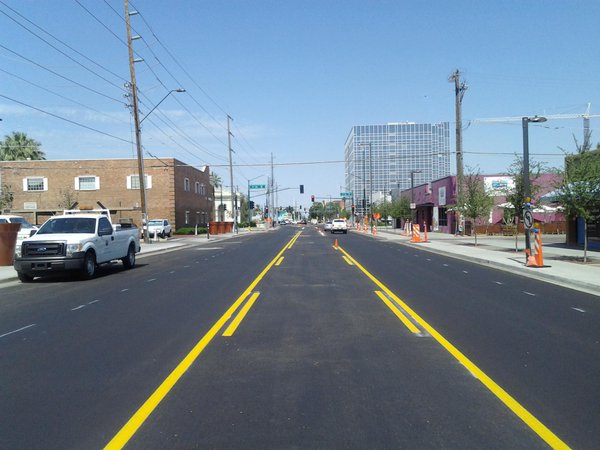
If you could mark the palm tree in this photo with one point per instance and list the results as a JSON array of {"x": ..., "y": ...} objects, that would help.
[
  {"x": 215, "y": 181},
  {"x": 18, "y": 147}
]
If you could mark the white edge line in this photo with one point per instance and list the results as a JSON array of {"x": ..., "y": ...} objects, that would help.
[
  {"x": 77, "y": 307},
  {"x": 16, "y": 331}
]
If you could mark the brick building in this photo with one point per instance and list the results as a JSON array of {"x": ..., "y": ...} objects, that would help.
[{"x": 174, "y": 190}]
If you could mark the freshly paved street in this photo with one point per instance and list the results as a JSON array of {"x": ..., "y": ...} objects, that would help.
[{"x": 282, "y": 339}]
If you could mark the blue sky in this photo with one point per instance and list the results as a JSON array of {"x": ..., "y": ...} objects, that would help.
[{"x": 295, "y": 77}]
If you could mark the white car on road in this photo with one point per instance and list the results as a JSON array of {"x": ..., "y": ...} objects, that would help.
[{"x": 339, "y": 226}]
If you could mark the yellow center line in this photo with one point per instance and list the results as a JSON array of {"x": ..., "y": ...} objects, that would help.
[
  {"x": 140, "y": 416},
  {"x": 350, "y": 263},
  {"x": 294, "y": 239},
  {"x": 529, "y": 419},
  {"x": 279, "y": 261},
  {"x": 238, "y": 319},
  {"x": 398, "y": 313}
]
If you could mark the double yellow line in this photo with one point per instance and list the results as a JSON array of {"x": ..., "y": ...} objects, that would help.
[
  {"x": 529, "y": 419},
  {"x": 140, "y": 416}
]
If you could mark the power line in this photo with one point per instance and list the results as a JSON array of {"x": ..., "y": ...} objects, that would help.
[{"x": 65, "y": 119}]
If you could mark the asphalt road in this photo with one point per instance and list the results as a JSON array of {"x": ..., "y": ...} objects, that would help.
[{"x": 163, "y": 356}]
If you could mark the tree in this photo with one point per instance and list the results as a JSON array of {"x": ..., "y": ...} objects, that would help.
[
  {"x": 579, "y": 190},
  {"x": 6, "y": 197},
  {"x": 516, "y": 196},
  {"x": 67, "y": 198},
  {"x": 477, "y": 203},
  {"x": 18, "y": 147},
  {"x": 400, "y": 209},
  {"x": 215, "y": 182}
]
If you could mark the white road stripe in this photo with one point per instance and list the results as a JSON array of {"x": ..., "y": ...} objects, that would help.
[
  {"x": 572, "y": 307},
  {"x": 150, "y": 280},
  {"x": 77, "y": 307},
  {"x": 93, "y": 301},
  {"x": 16, "y": 331},
  {"x": 529, "y": 293},
  {"x": 499, "y": 282}
]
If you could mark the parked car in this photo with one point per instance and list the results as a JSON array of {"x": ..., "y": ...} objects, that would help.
[
  {"x": 76, "y": 241},
  {"x": 26, "y": 228},
  {"x": 339, "y": 226},
  {"x": 162, "y": 227}
]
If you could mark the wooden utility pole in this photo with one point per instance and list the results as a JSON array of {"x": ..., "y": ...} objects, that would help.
[
  {"x": 136, "y": 120},
  {"x": 233, "y": 200},
  {"x": 459, "y": 92}
]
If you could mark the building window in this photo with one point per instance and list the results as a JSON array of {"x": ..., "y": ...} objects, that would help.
[
  {"x": 202, "y": 189},
  {"x": 186, "y": 184},
  {"x": 32, "y": 184},
  {"x": 197, "y": 187},
  {"x": 87, "y": 183},
  {"x": 133, "y": 181},
  {"x": 443, "y": 217}
]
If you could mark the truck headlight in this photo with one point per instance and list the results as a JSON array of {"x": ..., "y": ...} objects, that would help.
[
  {"x": 73, "y": 248},
  {"x": 18, "y": 250}
]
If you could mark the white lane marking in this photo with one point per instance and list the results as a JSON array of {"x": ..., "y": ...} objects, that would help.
[
  {"x": 93, "y": 301},
  {"x": 150, "y": 280},
  {"x": 572, "y": 307},
  {"x": 187, "y": 266},
  {"x": 499, "y": 282},
  {"x": 445, "y": 265},
  {"x": 16, "y": 331},
  {"x": 124, "y": 290},
  {"x": 428, "y": 259},
  {"x": 465, "y": 271},
  {"x": 529, "y": 293},
  {"x": 172, "y": 271},
  {"x": 77, "y": 307}
]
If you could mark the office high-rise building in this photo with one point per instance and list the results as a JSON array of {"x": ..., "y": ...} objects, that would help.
[{"x": 381, "y": 158}]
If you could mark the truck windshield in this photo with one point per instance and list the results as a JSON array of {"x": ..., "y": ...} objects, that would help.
[
  {"x": 69, "y": 225},
  {"x": 155, "y": 223}
]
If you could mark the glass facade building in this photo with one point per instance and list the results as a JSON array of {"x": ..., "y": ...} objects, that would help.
[{"x": 380, "y": 159}]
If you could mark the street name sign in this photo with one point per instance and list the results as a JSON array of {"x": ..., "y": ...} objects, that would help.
[
  {"x": 258, "y": 186},
  {"x": 346, "y": 194}
]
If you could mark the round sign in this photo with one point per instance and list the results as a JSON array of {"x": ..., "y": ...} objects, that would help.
[{"x": 528, "y": 219}]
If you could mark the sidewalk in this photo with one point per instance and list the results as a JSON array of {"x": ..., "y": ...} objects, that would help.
[
  {"x": 562, "y": 265},
  {"x": 8, "y": 273}
]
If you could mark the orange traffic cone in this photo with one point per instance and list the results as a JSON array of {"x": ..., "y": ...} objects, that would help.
[
  {"x": 539, "y": 255},
  {"x": 531, "y": 260},
  {"x": 335, "y": 244},
  {"x": 416, "y": 234}
]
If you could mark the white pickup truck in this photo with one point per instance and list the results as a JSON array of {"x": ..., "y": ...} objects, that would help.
[{"x": 76, "y": 241}]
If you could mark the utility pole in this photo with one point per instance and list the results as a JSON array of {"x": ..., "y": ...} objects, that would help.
[
  {"x": 233, "y": 201},
  {"x": 272, "y": 191},
  {"x": 459, "y": 92},
  {"x": 136, "y": 120}
]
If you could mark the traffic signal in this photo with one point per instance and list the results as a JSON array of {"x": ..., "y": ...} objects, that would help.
[
  {"x": 312, "y": 198},
  {"x": 251, "y": 204},
  {"x": 302, "y": 189}
]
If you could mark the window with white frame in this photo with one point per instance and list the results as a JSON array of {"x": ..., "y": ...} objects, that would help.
[
  {"x": 197, "y": 187},
  {"x": 87, "y": 183},
  {"x": 133, "y": 181},
  {"x": 32, "y": 184},
  {"x": 186, "y": 184}
]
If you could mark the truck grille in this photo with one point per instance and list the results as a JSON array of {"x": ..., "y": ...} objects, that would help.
[{"x": 43, "y": 249}]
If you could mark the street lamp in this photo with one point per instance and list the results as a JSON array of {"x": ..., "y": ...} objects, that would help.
[
  {"x": 140, "y": 157},
  {"x": 413, "y": 207},
  {"x": 526, "y": 183}
]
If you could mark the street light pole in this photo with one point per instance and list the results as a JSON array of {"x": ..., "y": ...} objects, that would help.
[
  {"x": 413, "y": 207},
  {"x": 526, "y": 182},
  {"x": 163, "y": 99}
]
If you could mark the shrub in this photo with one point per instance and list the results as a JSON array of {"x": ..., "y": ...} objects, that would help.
[{"x": 190, "y": 230}]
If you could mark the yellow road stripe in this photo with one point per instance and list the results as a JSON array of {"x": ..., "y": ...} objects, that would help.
[
  {"x": 293, "y": 241},
  {"x": 279, "y": 261},
  {"x": 398, "y": 313},
  {"x": 235, "y": 323},
  {"x": 532, "y": 422},
  {"x": 140, "y": 416},
  {"x": 350, "y": 263}
]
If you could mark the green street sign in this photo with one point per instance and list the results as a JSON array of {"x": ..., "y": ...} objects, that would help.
[
  {"x": 258, "y": 186},
  {"x": 346, "y": 194}
]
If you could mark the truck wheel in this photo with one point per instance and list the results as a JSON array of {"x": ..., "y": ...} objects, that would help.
[
  {"x": 129, "y": 260},
  {"x": 24, "y": 277},
  {"x": 89, "y": 265},
  {"x": 162, "y": 235},
  {"x": 169, "y": 234}
]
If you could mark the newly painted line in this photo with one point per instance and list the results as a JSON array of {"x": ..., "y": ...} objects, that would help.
[
  {"x": 140, "y": 416},
  {"x": 150, "y": 280},
  {"x": 93, "y": 301},
  {"x": 16, "y": 331},
  {"x": 77, "y": 307},
  {"x": 572, "y": 307},
  {"x": 279, "y": 261},
  {"x": 350, "y": 263},
  {"x": 124, "y": 290},
  {"x": 238, "y": 319},
  {"x": 529, "y": 293},
  {"x": 398, "y": 313},
  {"x": 519, "y": 410},
  {"x": 293, "y": 241}
]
